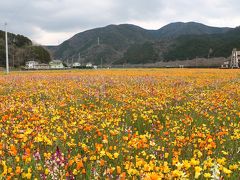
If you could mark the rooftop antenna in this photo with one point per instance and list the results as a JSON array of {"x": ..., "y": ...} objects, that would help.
[
  {"x": 101, "y": 57},
  {"x": 6, "y": 40}
]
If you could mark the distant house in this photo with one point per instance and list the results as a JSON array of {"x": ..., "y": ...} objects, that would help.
[
  {"x": 225, "y": 64},
  {"x": 89, "y": 65},
  {"x": 42, "y": 66},
  {"x": 56, "y": 64},
  {"x": 31, "y": 64},
  {"x": 76, "y": 65}
]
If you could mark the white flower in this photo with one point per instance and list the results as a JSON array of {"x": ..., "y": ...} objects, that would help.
[{"x": 215, "y": 171}]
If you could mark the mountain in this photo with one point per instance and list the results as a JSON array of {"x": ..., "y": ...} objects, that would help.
[
  {"x": 21, "y": 49},
  {"x": 205, "y": 46},
  {"x": 174, "y": 30},
  {"x": 113, "y": 41},
  {"x": 131, "y": 44}
]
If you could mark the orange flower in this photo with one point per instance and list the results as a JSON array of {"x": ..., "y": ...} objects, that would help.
[
  {"x": 166, "y": 133},
  {"x": 27, "y": 151},
  {"x": 18, "y": 170},
  {"x": 102, "y": 162},
  {"x": 83, "y": 171},
  {"x": 118, "y": 170},
  {"x": 80, "y": 165},
  {"x": 13, "y": 150}
]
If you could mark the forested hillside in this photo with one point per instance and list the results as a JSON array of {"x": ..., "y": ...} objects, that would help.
[
  {"x": 21, "y": 50},
  {"x": 126, "y": 43}
]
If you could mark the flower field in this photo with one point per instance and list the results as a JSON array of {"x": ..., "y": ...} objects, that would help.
[{"x": 120, "y": 124}]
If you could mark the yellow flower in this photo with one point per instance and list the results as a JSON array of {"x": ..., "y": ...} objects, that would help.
[
  {"x": 28, "y": 175},
  {"x": 109, "y": 155},
  {"x": 102, "y": 153},
  {"x": 93, "y": 158},
  {"x": 9, "y": 170},
  {"x": 115, "y": 155},
  {"x": 177, "y": 173},
  {"x": 221, "y": 161},
  {"x": 233, "y": 167},
  {"x": 194, "y": 162},
  {"x": 4, "y": 173},
  {"x": 166, "y": 169},
  {"x": 226, "y": 171},
  {"x": 186, "y": 164},
  {"x": 46, "y": 171},
  {"x": 198, "y": 170},
  {"x": 39, "y": 167},
  {"x": 225, "y": 153},
  {"x": 75, "y": 172},
  {"x": 17, "y": 158},
  {"x": 207, "y": 175}
]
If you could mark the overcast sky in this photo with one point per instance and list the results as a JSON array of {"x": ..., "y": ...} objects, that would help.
[{"x": 50, "y": 22}]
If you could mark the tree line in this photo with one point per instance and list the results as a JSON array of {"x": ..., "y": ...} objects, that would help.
[{"x": 21, "y": 49}]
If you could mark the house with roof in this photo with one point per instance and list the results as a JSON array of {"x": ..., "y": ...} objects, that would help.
[
  {"x": 89, "y": 65},
  {"x": 56, "y": 64},
  {"x": 31, "y": 64},
  {"x": 76, "y": 65},
  {"x": 42, "y": 66}
]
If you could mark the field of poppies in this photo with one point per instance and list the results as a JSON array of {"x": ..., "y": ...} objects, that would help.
[{"x": 120, "y": 124}]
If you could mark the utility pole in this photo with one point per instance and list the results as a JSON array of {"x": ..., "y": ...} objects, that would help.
[
  {"x": 6, "y": 39},
  {"x": 196, "y": 62},
  {"x": 98, "y": 41},
  {"x": 99, "y": 45},
  {"x": 79, "y": 58},
  {"x": 13, "y": 51}
]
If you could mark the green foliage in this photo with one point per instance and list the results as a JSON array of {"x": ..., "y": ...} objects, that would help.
[
  {"x": 190, "y": 47},
  {"x": 21, "y": 41},
  {"x": 21, "y": 50},
  {"x": 130, "y": 44},
  {"x": 38, "y": 53},
  {"x": 140, "y": 53}
]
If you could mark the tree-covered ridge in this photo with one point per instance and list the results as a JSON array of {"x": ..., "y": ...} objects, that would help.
[
  {"x": 139, "y": 54},
  {"x": 21, "y": 50},
  {"x": 126, "y": 43},
  {"x": 217, "y": 45}
]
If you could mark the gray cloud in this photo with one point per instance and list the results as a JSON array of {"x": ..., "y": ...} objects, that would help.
[{"x": 52, "y": 21}]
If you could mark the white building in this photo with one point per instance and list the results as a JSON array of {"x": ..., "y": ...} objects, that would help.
[
  {"x": 56, "y": 64},
  {"x": 31, "y": 64},
  {"x": 42, "y": 66},
  {"x": 76, "y": 65},
  {"x": 89, "y": 65},
  {"x": 235, "y": 59}
]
